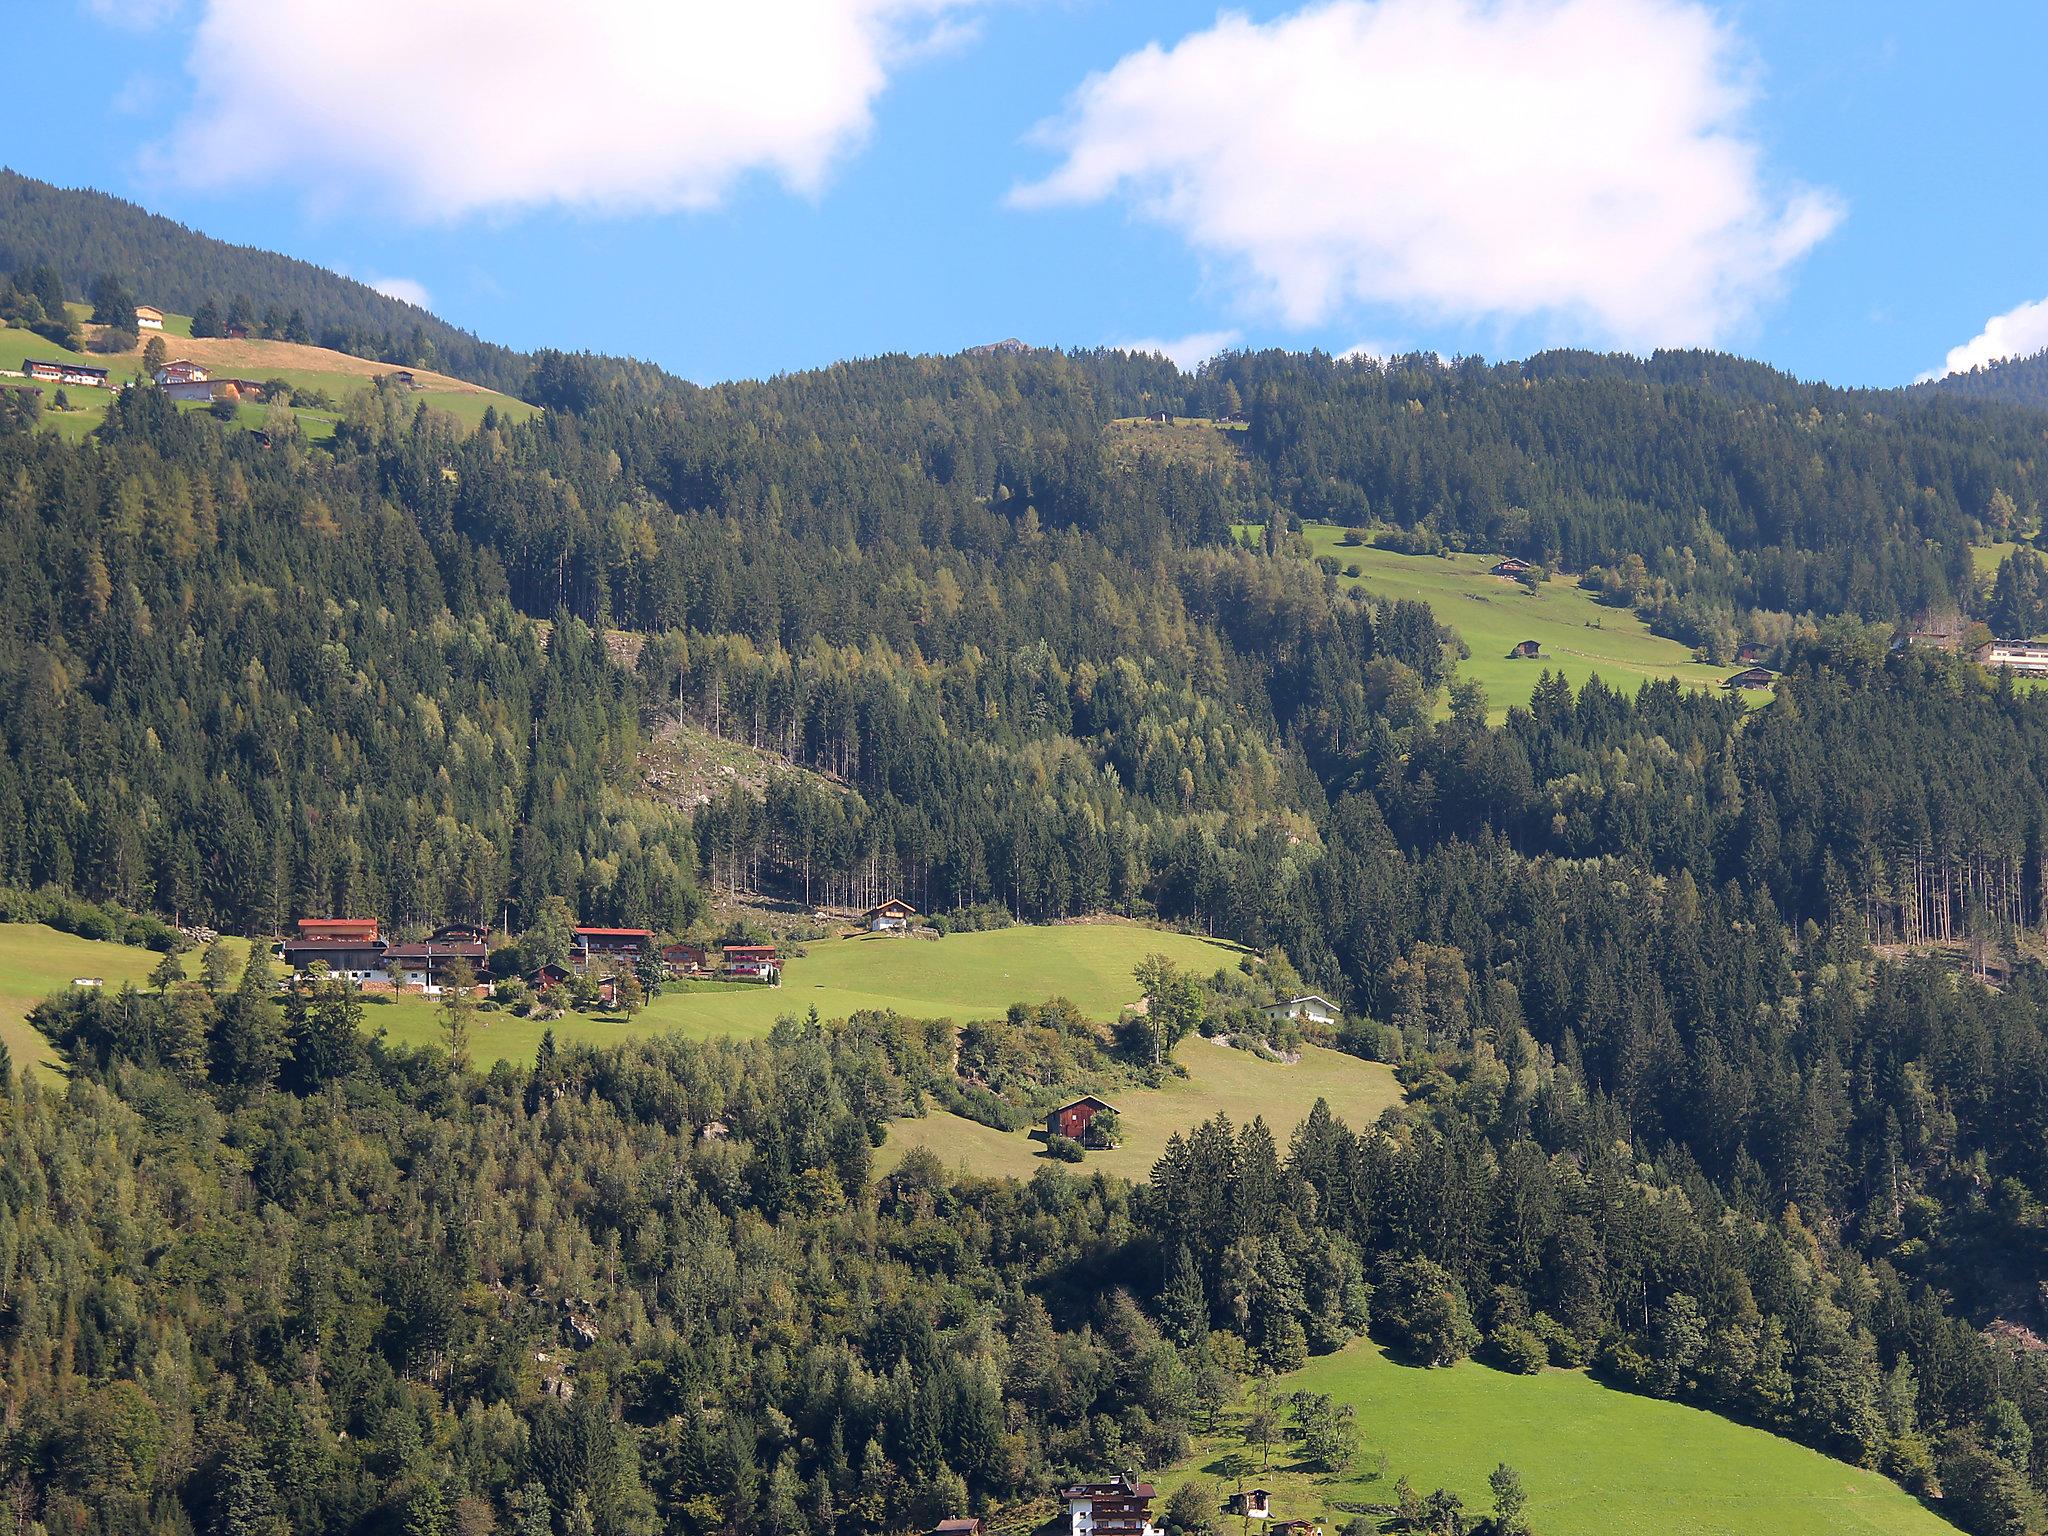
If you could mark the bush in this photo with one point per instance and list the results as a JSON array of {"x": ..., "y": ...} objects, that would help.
[
  {"x": 983, "y": 917},
  {"x": 1562, "y": 1343},
  {"x": 1192, "y": 1509},
  {"x": 111, "y": 340},
  {"x": 1426, "y": 1313},
  {"x": 1630, "y": 1368},
  {"x": 1064, "y": 1148},
  {"x": 1520, "y": 1350}
]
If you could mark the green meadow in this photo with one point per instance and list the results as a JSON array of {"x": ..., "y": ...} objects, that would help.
[
  {"x": 36, "y": 960},
  {"x": 1595, "y": 1461},
  {"x": 345, "y": 378},
  {"x": 1219, "y": 1080},
  {"x": 1579, "y": 637},
  {"x": 964, "y": 976}
]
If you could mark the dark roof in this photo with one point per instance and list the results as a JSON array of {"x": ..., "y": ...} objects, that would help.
[
  {"x": 1123, "y": 1487},
  {"x": 1086, "y": 1098},
  {"x": 325, "y": 944},
  {"x": 434, "y": 951},
  {"x": 614, "y": 933}
]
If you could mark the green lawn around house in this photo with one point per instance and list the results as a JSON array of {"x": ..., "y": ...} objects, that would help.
[
  {"x": 1491, "y": 614},
  {"x": 1595, "y": 1461},
  {"x": 1220, "y": 1080},
  {"x": 963, "y": 976}
]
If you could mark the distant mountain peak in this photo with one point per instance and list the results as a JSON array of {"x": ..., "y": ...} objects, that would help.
[{"x": 1009, "y": 344}]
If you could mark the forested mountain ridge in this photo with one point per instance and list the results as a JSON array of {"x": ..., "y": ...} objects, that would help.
[
  {"x": 85, "y": 235},
  {"x": 1669, "y": 1109},
  {"x": 2013, "y": 380}
]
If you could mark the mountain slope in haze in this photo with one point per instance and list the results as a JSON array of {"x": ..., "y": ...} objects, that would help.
[{"x": 86, "y": 235}]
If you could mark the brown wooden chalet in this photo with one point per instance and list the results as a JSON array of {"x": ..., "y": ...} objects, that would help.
[
  {"x": 597, "y": 945},
  {"x": 682, "y": 959},
  {"x": 1120, "y": 1507},
  {"x": 892, "y": 916},
  {"x": 1072, "y": 1120},
  {"x": 958, "y": 1525},
  {"x": 1510, "y": 565},
  {"x": 1752, "y": 678},
  {"x": 1252, "y": 1503}
]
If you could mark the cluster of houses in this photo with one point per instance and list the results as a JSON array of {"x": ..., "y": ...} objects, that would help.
[
  {"x": 1122, "y": 1506},
  {"x": 354, "y": 949}
]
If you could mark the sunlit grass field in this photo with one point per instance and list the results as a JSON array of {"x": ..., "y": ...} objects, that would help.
[
  {"x": 1595, "y": 1461},
  {"x": 961, "y": 977},
  {"x": 1579, "y": 637},
  {"x": 1220, "y": 1080}
]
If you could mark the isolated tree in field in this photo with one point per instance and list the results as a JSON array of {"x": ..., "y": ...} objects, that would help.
[
  {"x": 1509, "y": 1498},
  {"x": 153, "y": 355},
  {"x": 1173, "y": 1004},
  {"x": 1262, "y": 1425},
  {"x": 216, "y": 965},
  {"x": 631, "y": 996},
  {"x": 458, "y": 1010},
  {"x": 168, "y": 973},
  {"x": 206, "y": 319}
]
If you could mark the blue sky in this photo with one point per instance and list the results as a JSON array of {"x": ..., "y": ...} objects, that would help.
[{"x": 1848, "y": 191}]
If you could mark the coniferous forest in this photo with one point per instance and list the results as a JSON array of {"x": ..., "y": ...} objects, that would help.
[{"x": 1726, "y": 1053}]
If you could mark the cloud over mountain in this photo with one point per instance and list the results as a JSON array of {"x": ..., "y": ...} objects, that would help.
[
  {"x": 464, "y": 106},
  {"x": 1584, "y": 160}
]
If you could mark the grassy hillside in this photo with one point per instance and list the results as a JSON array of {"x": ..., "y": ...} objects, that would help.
[
  {"x": 1219, "y": 1081},
  {"x": 36, "y": 960},
  {"x": 1580, "y": 637},
  {"x": 1595, "y": 1462},
  {"x": 966, "y": 976},
  {"x": 335, "y": 374}
]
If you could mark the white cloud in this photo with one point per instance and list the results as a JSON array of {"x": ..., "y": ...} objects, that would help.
[
  {"x": 1185, "y": 352},
  {"x": 1582, "y": 161},
  {"x": 405, "y": 289},
  {"x": 450, "y": 107},
  {"x": 2019, "y": 332}
]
